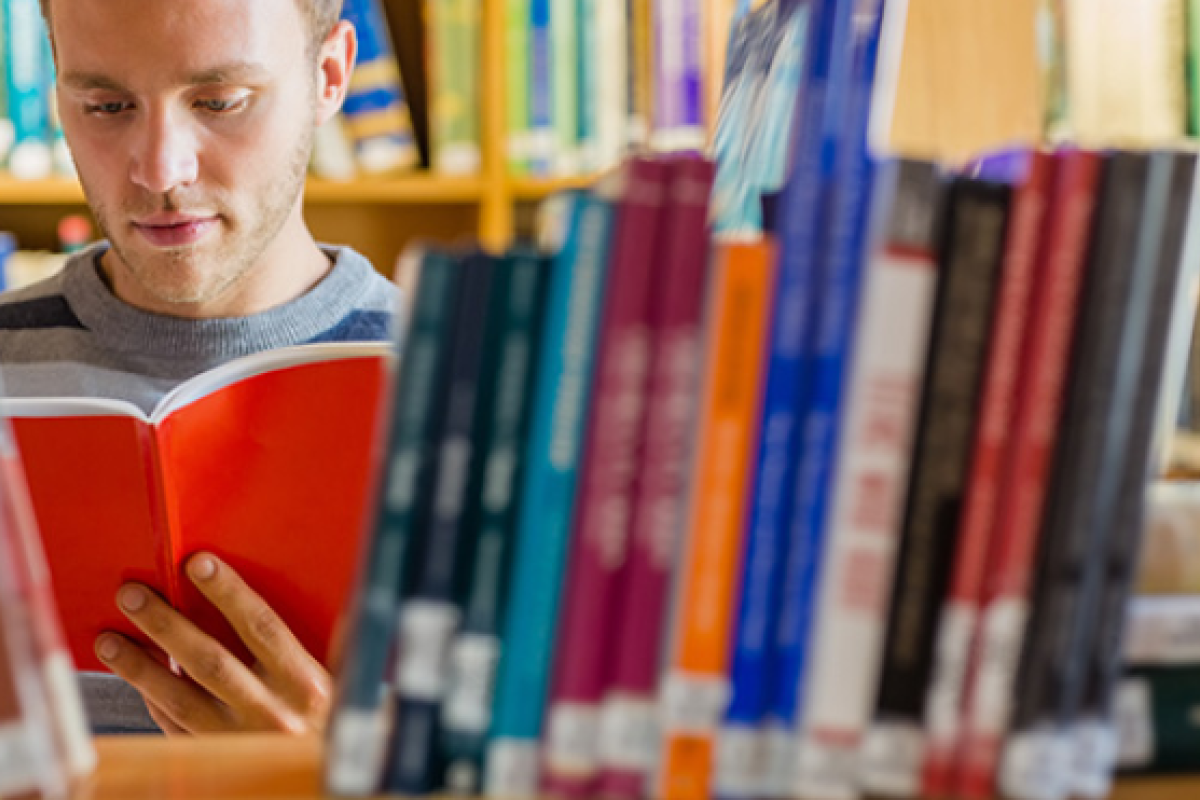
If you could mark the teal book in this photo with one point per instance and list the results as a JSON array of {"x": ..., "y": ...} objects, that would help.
[
  {"x": 561, "y": 400},
  {"x": 25, "y": 84}
]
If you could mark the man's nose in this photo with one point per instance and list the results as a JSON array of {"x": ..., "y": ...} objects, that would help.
[{"x": 164, "y": 153}]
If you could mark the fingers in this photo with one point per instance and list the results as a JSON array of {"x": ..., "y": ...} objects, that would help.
[
  {"x": 171, "y": 699},
  {"x": 163, "y": 721},
  {"x": 284, "y": 660},
  {"x": 204, "y": 660}
]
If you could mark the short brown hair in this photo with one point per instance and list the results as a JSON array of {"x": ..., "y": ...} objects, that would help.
[{"x": 321, "y": 16}]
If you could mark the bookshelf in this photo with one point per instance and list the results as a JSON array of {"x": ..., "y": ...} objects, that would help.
[{"x": 277, "y": 767}]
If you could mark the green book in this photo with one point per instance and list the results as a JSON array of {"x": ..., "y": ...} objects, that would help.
[
  {"x": 564, "y": 60},
  {"x": 516, "y": 66},
  {"x": 453, "y": 53}
]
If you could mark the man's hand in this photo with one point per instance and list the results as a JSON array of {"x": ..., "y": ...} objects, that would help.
[{"x": 286, "y": 690}]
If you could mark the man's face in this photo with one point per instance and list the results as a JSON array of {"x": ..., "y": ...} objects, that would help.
[{"x": 190, "y": 122}]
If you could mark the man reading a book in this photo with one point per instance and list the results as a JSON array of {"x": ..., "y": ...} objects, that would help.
[{"x": 191, "y": 124}]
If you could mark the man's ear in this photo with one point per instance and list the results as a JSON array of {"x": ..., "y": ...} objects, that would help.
[{"x": 335, "y": 63}]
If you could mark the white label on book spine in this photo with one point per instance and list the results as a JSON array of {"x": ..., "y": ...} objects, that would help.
[
  {"x": 473, "y": 660},
  {"x": 426, "y": 631},
  {"x": 629, "y": 735},
  {"x": 1135, "y": 723},
  {"x": 1094, "y": 757},
  {"x": 693, "y": 704},
  {"x": 512, "y": 769},
  {"x": 779, "y": 758},
  {"x": 1036, "y": 765},
  {"x": 943, "y": 704},
  {"x": 826, "y": 771},
  {"x": 573, "y": 739},
  {"x": 740, "y": 766},
  {"x": 891, "y": 759},
  {"x": 1003, "y": 633},
  {"x": 18, "y": 766},
  {"x": 356, "y": 752}
]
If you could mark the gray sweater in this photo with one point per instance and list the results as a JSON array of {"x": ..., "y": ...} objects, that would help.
[{"x": 69, "y": 336}]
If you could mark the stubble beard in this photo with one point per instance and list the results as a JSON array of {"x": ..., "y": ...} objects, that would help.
[{"x": 201, "y": 273}]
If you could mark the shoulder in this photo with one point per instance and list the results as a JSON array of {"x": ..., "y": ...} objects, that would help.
[
  {"x": 374, "y": 301},
  {"x": 40, "y": 306}
]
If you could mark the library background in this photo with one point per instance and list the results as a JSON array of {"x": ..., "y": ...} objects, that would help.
[{"x": 797, "y": 398}]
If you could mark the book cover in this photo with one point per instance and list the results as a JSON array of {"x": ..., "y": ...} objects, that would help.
[
  {"x": 629, "y": 726},
  {"x": 453, "y": 41},
  {"x": 1102, "y": 633},
  {"x": 467, "y": 709},
  {"x": 358, "y": 728},
  {"x": 603, "y": 505},
  {"x": 122, "y": 496},
  {"x": 553, "y": 453},
  {"x": 694, "y": 689},
  {"x": 956, "y": 627},
  {"x": 376, "y": 111},
  {"x": 972, "y": 259},
  {"x": 431, "y": 609},
  {"x": 991, "y": 660},
  {"x": 1096, "y": 429}
]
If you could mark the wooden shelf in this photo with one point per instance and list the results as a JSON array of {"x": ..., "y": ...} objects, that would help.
[
  {"x": 407, "y": 189},
  {"x": 532, "y": 189},
  {"x": 248, "y": 767}
]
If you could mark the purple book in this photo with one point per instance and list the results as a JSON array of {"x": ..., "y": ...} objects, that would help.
[
  {"x": 629, "y": 728},
  {"x": 678, "y": 76}
]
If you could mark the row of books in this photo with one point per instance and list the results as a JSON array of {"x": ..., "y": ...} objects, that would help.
[{"x": 45, "y": 744}]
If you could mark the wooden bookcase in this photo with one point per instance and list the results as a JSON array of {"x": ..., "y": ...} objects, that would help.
[{"x": 265, "y": 767}]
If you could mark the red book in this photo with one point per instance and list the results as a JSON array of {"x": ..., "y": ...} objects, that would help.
[
  {"x": 991, "y": 666},
  {"x": 629, "y": 735},
  {"x": 604, "y": 503},
  {"x": 960, "y": 616},
  {"x": 267, "y": 462}
]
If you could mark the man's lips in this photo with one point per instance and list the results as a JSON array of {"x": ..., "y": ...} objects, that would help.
[{"x": 174, "y": 230}]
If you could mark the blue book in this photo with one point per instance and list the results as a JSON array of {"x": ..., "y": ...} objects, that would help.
[
  {"x": 806, "y": 213},
  {"x": 542, "y": 144},
  {"x": 26, "y": 84},
  {"x": 564, "y": 377},
  {"x": 377, "y": 113}
]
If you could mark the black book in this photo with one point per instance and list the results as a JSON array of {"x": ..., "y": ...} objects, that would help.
[
  {"x": 972, "y": 254},
  {"x": 1089, "y": 463}
]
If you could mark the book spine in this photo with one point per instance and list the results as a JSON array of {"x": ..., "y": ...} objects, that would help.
[
  {"x": 54, "y": 663},
  {"x": 991, "y": 663},
  {"x": 694, "y": 689},
  {"x": 431, "y": 612},
  {"x": 7, "y": 131},
  {"x": 1192, "y": 12},
  {"x": 1092, "y": 732},
  {"x": 612, "y": 82},
  {"x": 1155, "y": 715},
  {"x": 564, "y": 82},
  {"x": 517, "y": 40},
  {"x": 28, "y": 100},
  {"x": 972, "y": 256},
  {"x": 629, "y": 726},
  {"x": 467, "y": 710},
  {"x": 678, "y": 105},
  {"x": 871, "y": 477},
  {"x": 640, "y": 22},
  {"x": 358, "y": 727},
  {"x": 543, "y": 144},
  {"x": 604, "y": 499},
  {"x": 958, "y": 618},
  {"x": 1087, "y": 478},
  {"x": 376, "y": 112},
  {"x": 775, "y": 457},
  {"x": 588, "y": 65},
  {"x": 547, "y": 498},
  {"x": 453, "y": 34}
]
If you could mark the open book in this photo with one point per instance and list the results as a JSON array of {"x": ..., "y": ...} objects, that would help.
[{"x": 267, "y": 461}]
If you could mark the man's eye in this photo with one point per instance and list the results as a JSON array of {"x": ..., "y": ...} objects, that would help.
[
  {"x": 106, "y": 109},
  {"x": 220, "y": 106}
]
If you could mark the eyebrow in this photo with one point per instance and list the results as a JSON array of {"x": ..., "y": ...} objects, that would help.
[{"x": 237, "y": 72}]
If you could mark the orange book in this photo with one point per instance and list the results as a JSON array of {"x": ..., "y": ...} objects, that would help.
[
  {"x": 266, "y": 461},
  {"x": 706, "y": 584}
]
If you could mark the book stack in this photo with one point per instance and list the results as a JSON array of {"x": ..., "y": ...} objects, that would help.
[
  {"x": 44, "y": 740},
  {"x": 848, "y": 505}
]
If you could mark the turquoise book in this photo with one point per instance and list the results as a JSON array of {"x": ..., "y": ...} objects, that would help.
[{"x": 561, "y": 400}]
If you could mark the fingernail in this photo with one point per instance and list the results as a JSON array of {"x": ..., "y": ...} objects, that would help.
[
  {"x": 108, "y": 648},
  {"x": 202, "y": 568},
  {"x": 133, "y": 598}
]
